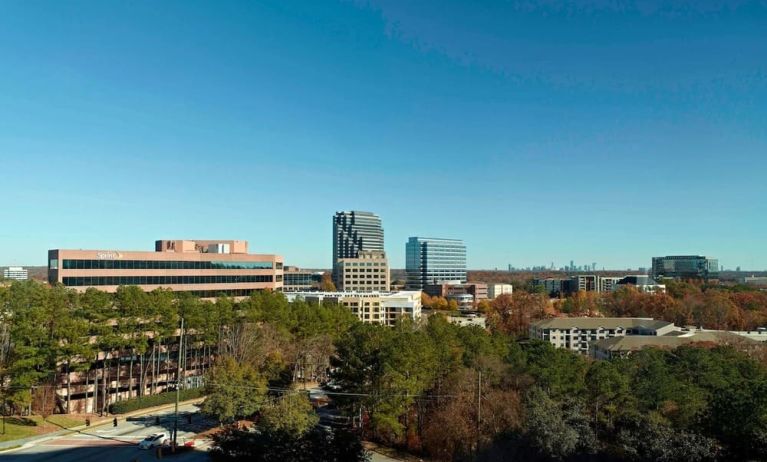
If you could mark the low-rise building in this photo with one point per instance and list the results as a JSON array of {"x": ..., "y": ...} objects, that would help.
[
  {"x": 298, "y": 280},
  {"x": 16, "y": 273},
  {"x": 205, "y": 268},
  {"x": 578, "y": 333},
  {"x": 620, "y": 347},
  {"x": 370, "y": 307},
  {"x": 609, "y": 283},
  {"x": 643, "y": 283},
  {"x": 468, "y": 320},
  {"x": 755, "y": 280},
  {"x": 494, "y": 290}
]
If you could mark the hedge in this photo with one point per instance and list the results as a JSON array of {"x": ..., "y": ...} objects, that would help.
[{"x": 134, "y": 404}]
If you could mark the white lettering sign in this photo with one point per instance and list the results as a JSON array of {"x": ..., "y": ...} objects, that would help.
[{"x": 108, "y": 255}]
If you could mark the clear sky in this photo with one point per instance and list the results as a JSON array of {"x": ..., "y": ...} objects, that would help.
[{"x": 605, "y": 131}]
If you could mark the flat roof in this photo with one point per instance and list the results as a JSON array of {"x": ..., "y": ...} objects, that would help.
[{"x": 595, "y": 323}]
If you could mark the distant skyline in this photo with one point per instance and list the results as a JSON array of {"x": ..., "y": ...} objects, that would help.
[{"x": 534, "y": 131}]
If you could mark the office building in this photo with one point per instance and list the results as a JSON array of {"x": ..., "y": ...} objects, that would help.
[
  {"x": 608, "y": 283},
  {"x": 494, "y": 290},
  {"x": 642, "y": 283},
  {"x": 202, "y": 268},
  {"x": 16, "y": 273},
  {"x": 466, "y": 295},
  {"x": 577, "y": 334},
  {"x": 430, "y": 261},
  {"x": 553, "y": 287},
  {"x": 370, "y": 307},
  {"x": 367, "y": 272},
  {"x": 354, "y": 232},
  {"x": 755, "y": 280},
  {"x": 297, "y": 280},
  {"x": 685, "y": 267}
]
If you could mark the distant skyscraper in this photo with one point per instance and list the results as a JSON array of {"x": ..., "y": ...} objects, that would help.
[
  {"x": 354, "y": 232},
  {"x": 434, "y": 261}
]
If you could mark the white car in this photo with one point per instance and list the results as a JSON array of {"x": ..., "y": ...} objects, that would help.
[{"x": 152, "y": 441}]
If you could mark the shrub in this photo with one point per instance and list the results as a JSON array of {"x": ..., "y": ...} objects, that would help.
[{"x": 134, "y": 404}]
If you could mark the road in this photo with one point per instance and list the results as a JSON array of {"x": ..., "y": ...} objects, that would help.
[{"x": 115, "y": 444}]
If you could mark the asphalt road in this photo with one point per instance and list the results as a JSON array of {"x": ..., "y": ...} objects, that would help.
[{"x": 115, "y": 444}]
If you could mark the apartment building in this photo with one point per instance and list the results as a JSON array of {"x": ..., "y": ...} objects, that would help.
[
  {"x": 370, "y": 307},
  {"x": 621, "y": 347},
  {"x": 205, "y": 268},
  {"x": 577, "y": 334}
]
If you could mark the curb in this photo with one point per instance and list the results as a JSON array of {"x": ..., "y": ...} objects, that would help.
[{"x": 21, "y": 443}]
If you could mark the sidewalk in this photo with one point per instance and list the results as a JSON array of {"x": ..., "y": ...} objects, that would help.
[{"x": 94, "y": 423}]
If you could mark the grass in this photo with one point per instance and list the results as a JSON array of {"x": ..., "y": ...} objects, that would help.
[{"x": 22, "y": 427}]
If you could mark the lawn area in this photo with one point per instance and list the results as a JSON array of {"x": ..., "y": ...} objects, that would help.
[{"x": 21, "y": 427}]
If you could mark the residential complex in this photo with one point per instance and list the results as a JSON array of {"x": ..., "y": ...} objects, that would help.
[
  {"x": 620, "y": 347},
  {"x": 200, "y": 267},
  {"x": 16, "y": 273},
  {"x": 354, "y": 232},
  {"x": 685, "y": 267},
  {"x": 370, "y": 307},
  {"x": 430, "y": 261},
  {"x": 578, "y": 333},
  {"x": 367, "y": 272}
]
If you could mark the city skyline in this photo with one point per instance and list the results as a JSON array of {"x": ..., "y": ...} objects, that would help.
[{"x": 513, "y": 127}]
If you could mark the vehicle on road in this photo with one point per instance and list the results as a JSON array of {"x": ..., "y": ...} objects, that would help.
[{"x": 152, "y": 441}]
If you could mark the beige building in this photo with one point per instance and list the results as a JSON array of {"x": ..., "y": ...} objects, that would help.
[
  {"x": 579, "y": 333},
  {"x": 494, "y": 290},
  {"x": 370, "y": 307},
  {"x": 368, "y": 272},
  {"x": 620, "y": 347},
  {"x": 203, "y": 268}
]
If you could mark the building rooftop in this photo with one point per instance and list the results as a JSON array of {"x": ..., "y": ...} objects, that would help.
[
  {"x": 595, "y": 323},
  {"x": 637, "y": 342}
]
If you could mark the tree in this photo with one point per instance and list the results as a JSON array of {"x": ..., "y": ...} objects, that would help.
[
  {"x": 233, "y": 391},
  {"x": 327, "y": 284},
  {"x": 291, "y": 413}
]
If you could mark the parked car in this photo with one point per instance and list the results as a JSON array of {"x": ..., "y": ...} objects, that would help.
[{"x": 152, "y": 441}]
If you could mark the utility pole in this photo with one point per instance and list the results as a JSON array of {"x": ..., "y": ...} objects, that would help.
[{"x": 178, "y": 381}]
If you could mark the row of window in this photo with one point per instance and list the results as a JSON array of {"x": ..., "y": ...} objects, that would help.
[
  {"x": 163, "y": 280},
  {"x": 166, "y": 264}
]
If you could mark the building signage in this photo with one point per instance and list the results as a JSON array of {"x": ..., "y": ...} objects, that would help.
[{"x": 108, "y": 255}]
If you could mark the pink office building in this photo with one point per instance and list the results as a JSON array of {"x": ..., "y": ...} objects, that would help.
[{"x": 203, "y": 268}]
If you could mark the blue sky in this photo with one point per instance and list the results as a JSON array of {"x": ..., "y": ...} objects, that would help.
[{"x": 601, "y": 131}]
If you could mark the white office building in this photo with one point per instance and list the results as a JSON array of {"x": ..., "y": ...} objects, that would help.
[
  {"x": 370, "y": 307},
  {"x": 16, "y": 273}
]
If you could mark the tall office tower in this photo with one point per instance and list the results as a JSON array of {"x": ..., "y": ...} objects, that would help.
[
  {"x": 685, "y": 266},
  {"x": 434, "y": 261},
  {"x": 354, "y": 232}
]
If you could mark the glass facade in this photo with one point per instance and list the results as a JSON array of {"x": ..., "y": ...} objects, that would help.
[
  {"x": 685, "y": 266},
  {"x": 165, "y": 264},
  {"x": 433, "y": 261},
  {"x": 161, "y": 280},
  {"x": 354, "y": 232}
]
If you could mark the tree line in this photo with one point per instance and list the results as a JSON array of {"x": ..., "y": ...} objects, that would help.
[{"x": 127, "y": 342}]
